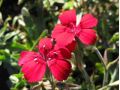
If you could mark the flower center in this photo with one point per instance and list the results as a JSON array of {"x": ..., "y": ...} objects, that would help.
[
  {"x": 78, "y": 30},
  {"x": 73, "y": 29},
  {"x": 51, "y": 55}
]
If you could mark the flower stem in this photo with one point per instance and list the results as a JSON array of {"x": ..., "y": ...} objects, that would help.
[
  {"x": 81, "y": 67},
  {"x": 105, "y": 78},
  {"x": 110, "y": 85},
  {"x": 80, "y": 64},
  {"x": 43, "y": 34},
  {"x": 52, "y": 82},
  {"x": 50, "y": 78},
  {"x": 114, "y": 75},
  {"x": 100, "y": 57}
]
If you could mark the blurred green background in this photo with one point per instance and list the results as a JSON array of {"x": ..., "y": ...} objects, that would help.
[{"x": 22, "y": 22}]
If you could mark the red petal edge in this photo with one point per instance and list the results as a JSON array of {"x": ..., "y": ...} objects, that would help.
[
  {"x": 68, "y": 17},
  {"x": 88, "y": 21},
  {"x": 59, "y": 68},
  {"x": 34, "y": 69},
  {"x": 45, "y": 45},
  {"x": 87, "y": 36}
]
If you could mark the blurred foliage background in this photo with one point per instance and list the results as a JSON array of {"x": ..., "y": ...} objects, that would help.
[{"x": 22, "y": 22}]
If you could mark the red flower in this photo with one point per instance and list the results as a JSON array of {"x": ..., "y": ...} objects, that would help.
[
  {"x": 70, "y": 46},
  {"x": 34, "y": 64},
  {"x": 66, "y": 32}
]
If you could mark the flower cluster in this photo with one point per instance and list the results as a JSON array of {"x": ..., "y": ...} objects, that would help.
[
  {"x": 67, "y": 30},
  {"x": 55, "y": 56},
  {"x": 34, "y": 64}
]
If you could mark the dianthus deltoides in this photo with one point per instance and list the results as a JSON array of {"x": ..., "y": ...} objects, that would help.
[
  {"x": 34, "y": 64},
  {"x": 67, "y": 30}
]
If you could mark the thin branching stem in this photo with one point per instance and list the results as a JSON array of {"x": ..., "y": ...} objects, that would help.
[
  {"x": 36, "y": 42},
  {"x": 105, "y": 78},
  {"x": 80, "y": 64},
  {"x": 116, "y": 83},
  {"x": 115, "y": 73}
]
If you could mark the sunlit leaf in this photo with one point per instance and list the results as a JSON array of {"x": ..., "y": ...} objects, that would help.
[
  {"x": 1, "y": 19},
  {"x": 2, "y": 57},
  {"x": 19, "y": 46},
  {"x": 69, "y": 5},
  {"x": 1, "y": 1},
  {"x": 114, "y": 38},
  {"x": 100, "y": 67},
  {"x": 14, "y": 79}
]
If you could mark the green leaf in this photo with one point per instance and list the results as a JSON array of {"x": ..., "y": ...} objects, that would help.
[
  {"x": 2, "y": 57},
  {"x": 4, "y": 54},
  {"x": 2, "y": 31},
  {"x": 114, "y": 38},
  {"x": 69, "y": 5},
  {"x": 15, "y": 56},
  {"x": 25, "y": 11},
  {"x": 9, "y": 35},
  {"x": 21, "y": 84},
  {"x": 21, "y": 22},
  {"x": 18, "y": 81},
  {"x": 1, "y": 1},
  {"x": 19, "y": 46},
  {"x": 20, "y": 2},
  {"x": 114, "y": 83},
  {"x": 5, "y": 51},
  {"x": 19, "y": 19},
  {"x": 19, "y": 75},
  {"x": 14, "y": 79},
  {"x": 100, "y": 67},
  {"x": 1, "y": 17},
  {"x": 15, "y": 20}
]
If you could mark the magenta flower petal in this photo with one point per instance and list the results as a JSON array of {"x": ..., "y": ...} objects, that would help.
[
  {"x": 64, "y": 39},
  {"x": 68, "y": 17},
  {"x": 59, "y": 68},
  {"x": 26, "y": 56},
  {"x": 34, "y": 69},
  {"x": 64, "y": 53},
  {"x": 88, "y": 21},
  {"x": 45, "y": 45},
  {"x": 87, "y": 36},
  {"x": 59, "y": 33},
  {"x": 71, "y": 46},
  {"x": 59, "y": 53},
  {"x": 34, "y": 64},
  {"x": 58, "y": 29}
]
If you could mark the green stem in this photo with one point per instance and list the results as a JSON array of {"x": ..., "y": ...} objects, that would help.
[
  {"x": 114, "y": 75},
  {"x": 112, "y": 63},
  {"x": 79, "y": 62},
  {"x": 81, "y": 68},
  {"x": 116, "y": 83},
  {"x": 53, "y": 83},
  {"x": 44, "y": 33},
  {"x": 103, "y": 88},
  {"x": 100, "y": 57},
  {"x": 105, "y": 78},
  {"x": 50, "y": 78},
  {"x": 83, "y": 71}
]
